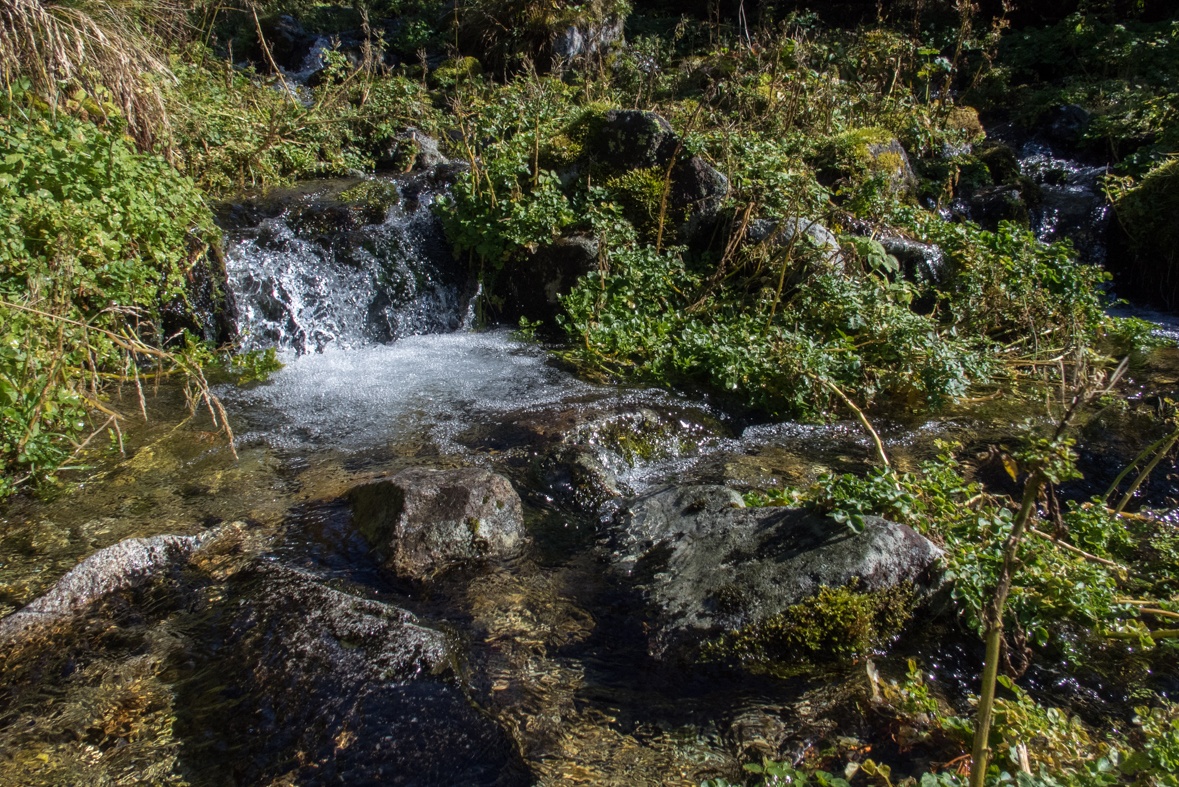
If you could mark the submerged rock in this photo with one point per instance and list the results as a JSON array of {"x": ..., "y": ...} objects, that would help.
[
  {"x": 341, "y": 689},
  {"x": 128, "y": 564},
  {"x": 708, "y": 565},
  {"x": 427, "y": 520}
]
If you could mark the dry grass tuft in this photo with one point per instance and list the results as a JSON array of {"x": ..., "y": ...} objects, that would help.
[{"x": 117, "y": 46}]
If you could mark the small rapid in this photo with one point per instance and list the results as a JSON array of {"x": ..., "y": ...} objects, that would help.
[{"x": 341, "y": 264}]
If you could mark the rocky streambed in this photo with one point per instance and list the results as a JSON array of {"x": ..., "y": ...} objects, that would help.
[
  {"x": 510, "y": 576},
  {"x": 440, "y": 558}
]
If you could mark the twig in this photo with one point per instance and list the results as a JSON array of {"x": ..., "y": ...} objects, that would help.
[
  {"x": 1076, "y": 551},
  {"x": 863, "y": 420}
]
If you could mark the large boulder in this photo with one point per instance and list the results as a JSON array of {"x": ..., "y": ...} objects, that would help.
[
  {"x": 425, "y": 521},
  {"x": 697, "y": 191},
  {"x": 588, "y": 38},
  {"x": 534, "y": 287},
  {"x": 710, "y": 566},
  {"x": 289, "y": 43},
  {"x": 333, "y": 688},
  {"x": 1144, "y": 241},
  {"x": 866, "y": 152},
  {"x": 811, "y": 239},
  {"x": 633, "y": 139}
]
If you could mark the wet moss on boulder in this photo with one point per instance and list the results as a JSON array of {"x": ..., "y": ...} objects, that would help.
[
  {"x": 843, "y": 621},
  {"x": 761, "y": 580},
  {"x": 866, "y": 152},
  {"x": 1144, "y": 243}
]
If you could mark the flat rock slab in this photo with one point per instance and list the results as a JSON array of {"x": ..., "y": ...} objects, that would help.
[
  {"x": 710, "y": 565},
  {"x": 428, "y": 520}
]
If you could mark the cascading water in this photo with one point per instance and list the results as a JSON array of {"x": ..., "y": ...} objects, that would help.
[
  {"x": 342, "y": 263},
  {"x": 1070, "y": 203}
]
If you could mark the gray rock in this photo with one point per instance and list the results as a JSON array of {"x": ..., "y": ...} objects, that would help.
[
  {"x": 819, "y": 242},
  {"x": 411, "y": 150},
  {"x": 708, "y": 565},
  {"x": 578, "y": 476},
  {"x": 427, "y": 520},
  {"x": 534, "y": 288},
  {"x": 128, "y": 564},
  {"x": 920, "y": 261},
  {"x": 632, "y": 139},
  {"x": 289, "y": 43},
  {"x": 990, "y": 206},
  {"x": 340, "y": 688},
  {"x": 901, "y": 176},
  {"x": 698, "y": 190},
  {"x": 1001, "y": 160},
  {"x": 579, "y": 40},
  {"x": 1065, "y": 124}
]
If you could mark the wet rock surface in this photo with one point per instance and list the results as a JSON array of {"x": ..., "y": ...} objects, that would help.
[
  {"x": 349, "y": 262},
  {"x": 707, "y": 564},
  {"x": 334, "y": 688},
  {"x": 425, "y": 521},
  {"x": 128, "y": 564},
  {"x": 534, "y": 288}
]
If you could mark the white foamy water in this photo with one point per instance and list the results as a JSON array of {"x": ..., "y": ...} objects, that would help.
[{"x": 419, "y": 388}]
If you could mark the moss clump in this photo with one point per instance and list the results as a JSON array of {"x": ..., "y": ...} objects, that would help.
[
  {"x": 965, "y": 121},
  {"x": 843, "y": 621},
  {"x": 1002, "y": 162},
  {"x": 567, "y": 148},
  {"x": 372, "y": 195},
  {"x": 864, "y": 152},
  {"x": 640, "y": 193},
  {"x": 455, "y": 71},
  {"x": 1149, "y": 215}
]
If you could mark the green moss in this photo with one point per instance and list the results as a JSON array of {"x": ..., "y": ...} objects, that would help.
[
  {"x": 455, "y": 71},
  {"x": 853, "y": 149},
  {"x": 1001, "y": 161},
  {"x": 640, "y": 193},
  {"x": 1150, "y": 212},
  {"x": 842, "y": 621},
  {"x": 377, "y": 194}
]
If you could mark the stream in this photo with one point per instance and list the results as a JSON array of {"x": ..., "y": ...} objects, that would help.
[{"x": 270, "y": 645}]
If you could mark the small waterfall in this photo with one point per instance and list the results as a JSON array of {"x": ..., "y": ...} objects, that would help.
[
  {"x": 1071, "y": 204},
  {"x": 341, "y": 263}
]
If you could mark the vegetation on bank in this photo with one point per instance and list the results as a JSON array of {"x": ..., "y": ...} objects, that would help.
[{"x": 108, "y": 157}]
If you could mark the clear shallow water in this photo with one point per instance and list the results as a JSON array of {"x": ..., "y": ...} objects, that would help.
[{"x": 554, "y": 646}]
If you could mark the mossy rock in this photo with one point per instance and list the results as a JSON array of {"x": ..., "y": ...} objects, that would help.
[
  {"x": 844, "y": 621},
  {"x": 965, "y": 121},
  {"x": 1144, "y": 250},
  {"x": 1001, "y": 160},
  {"x": 564, "y": 150},
  {"x": 510, "y": 33},
  {"x": 962, "y": 174},
  {"x": 864, "y": 152},
  {"x": 455, "y": 71}
]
